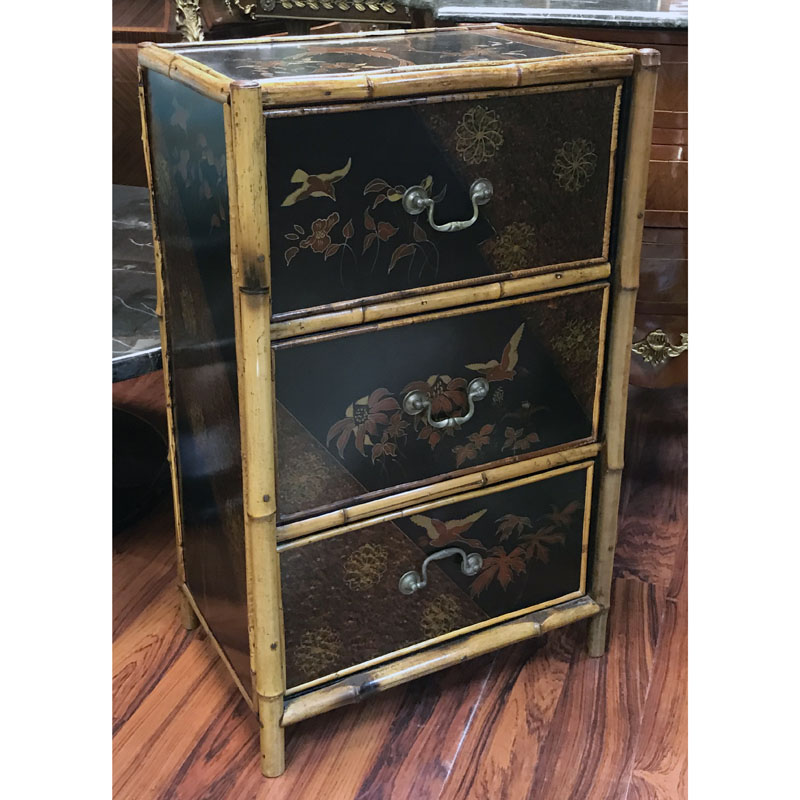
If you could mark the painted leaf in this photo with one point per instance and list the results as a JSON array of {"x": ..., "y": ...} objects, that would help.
[
  {"x": 290, "y": 254},
  {"x": 499, "y": 566},
  {"x": 401, "y": 252},
  {"x": 464, "y": 453},
  {"x": 299, "y": 229},
  {"x": 368, "y": 240},
  {"x": 419, "y": 233},
  {"x": 369, "y": 223},
  {"x": 511, "y": 524},
  {"x": 291, "y": 236},
  {"x": 386, "y": 230},
  {"x": 376, "y": 185},
  {"x": 331, "y": 250},
  {"x": 378, "y": 200},
  {"x": 348, "y": 230}
]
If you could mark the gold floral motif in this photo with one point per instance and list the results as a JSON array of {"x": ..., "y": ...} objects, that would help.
[
  {"x": 365, "y": 566},
  {"x": 317, "y": 651},
  {"x": 574, "y": 163},
  {"x": 514, "y": 248},
  {"x": 478, "y": 135},
  {"x": 440, "y": 615},
  {"x": 571, "y": 344}
]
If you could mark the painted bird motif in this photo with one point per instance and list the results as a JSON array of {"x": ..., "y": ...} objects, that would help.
[
  {"x": 315, "y": 185},
  {"x": 442, "y": 534},
  {"x": 504, "y": 369}
]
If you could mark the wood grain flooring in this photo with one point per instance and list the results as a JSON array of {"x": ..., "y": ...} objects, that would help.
[{"x": 538, "y": 720}]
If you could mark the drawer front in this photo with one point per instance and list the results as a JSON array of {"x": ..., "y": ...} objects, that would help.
[
  {"x": 342, "y": 602},
  {"x": 344, "y": 434},
  {"x": 338, "y": 229}
]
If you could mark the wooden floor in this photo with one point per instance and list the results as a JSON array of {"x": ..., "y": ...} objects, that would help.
[{"x": 538, "y": 720}]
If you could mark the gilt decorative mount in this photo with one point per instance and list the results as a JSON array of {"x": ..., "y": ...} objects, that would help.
[
  {"x": 656, "y": 347},
  {"x": 188, "y": 20}
]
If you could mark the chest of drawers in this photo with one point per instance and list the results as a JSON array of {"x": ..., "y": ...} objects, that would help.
[{"x": 397, "y": 276}]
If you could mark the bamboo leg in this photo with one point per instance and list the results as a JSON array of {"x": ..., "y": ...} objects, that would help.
[
  {"x": 189, "y": 619},
  {"x": 625, "y": 277},
  {"x": 250, "y": 270},
  {"x": 270, "y": 711}
]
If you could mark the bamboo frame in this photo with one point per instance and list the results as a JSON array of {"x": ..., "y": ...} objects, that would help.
[
  {"x": 625, "y": 284},
  {"x": 250, "y": 273},
  {"x": 189, "y": 618},
  {"x": 357, "y": 687},
  {"x": 401, "y": 504},
  {"x": 376, "y": 312}
]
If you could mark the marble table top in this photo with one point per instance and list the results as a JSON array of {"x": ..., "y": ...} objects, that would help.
[
  {"x": 591, "y": 13},
  {"x": 135, "y": 338}
]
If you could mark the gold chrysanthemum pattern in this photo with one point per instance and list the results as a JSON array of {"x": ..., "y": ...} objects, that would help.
[
  {"x": 575, "y": 162},
  {"x": 478, "y": 135},
  {"x": 440, "y": 616},
  {"x": 365, "y": 566},
  {"x": 514, "y": 248},
  {"x": 317, "y": 651}
]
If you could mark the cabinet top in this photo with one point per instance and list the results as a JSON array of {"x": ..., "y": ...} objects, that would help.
[{"x": 301, "y": 70}]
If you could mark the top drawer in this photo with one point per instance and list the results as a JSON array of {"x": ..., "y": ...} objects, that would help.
[{"x": 338, "y": 227}]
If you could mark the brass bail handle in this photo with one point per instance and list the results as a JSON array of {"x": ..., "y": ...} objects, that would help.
[
  {"x": 416, "y": 200},
  {"x": 411, "y": 582},
  {"x": 417, "y": 402}
]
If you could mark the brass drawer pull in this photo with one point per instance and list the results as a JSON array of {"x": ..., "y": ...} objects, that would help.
[
  {"x": 417, "y": 402},
  {"x": 411, "y": 581},
  {"x": 416, "y": 200}
]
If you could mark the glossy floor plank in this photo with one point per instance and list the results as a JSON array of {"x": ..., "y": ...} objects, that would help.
[{"x": 538, "y": 720}]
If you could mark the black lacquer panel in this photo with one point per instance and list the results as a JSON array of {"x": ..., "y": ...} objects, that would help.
[
  {"x": 337, "y": 227},
  {"x": 187, "y": 145},
  {"x": 341, "y": 425},
  {"x": 342, "y": 605},
  {"x": 277, "y": 59}
]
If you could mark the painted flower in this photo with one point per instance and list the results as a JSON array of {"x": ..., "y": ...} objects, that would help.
[
  {"x": 478, "y": 135},
  {"x": 361, "y": 420},
  {"x": 318, "y": 650},
  {"x": 574, "y": 163},
  {"x": 440, "y": 616},
  {"x": 447, "y": 394},
  {"x": 365, "y": 566},
  {"x": 514, "y": 248},
  {"x": 319, "y": 240}
]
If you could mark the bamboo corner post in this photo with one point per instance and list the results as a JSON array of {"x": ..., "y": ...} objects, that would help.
[
  {"x": 251, "y": 278},
  {"x": 625, "y": 282}
]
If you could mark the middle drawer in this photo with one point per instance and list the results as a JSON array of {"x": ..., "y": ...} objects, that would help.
[{"x": 347, "y": 428}]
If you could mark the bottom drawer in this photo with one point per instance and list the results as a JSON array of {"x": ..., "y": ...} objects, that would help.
[{"x": 342, "y": 600}]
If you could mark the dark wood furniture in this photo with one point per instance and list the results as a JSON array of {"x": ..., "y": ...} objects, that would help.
[{"x": 396, "y": 279}]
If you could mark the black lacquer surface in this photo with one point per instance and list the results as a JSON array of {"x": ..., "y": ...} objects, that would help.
[
  {"x": 338, "y": 230},
  {"x": 341, "y": 424},
  {"x": 188, "y": 153},
  {"x": 530, "y": 539},
  {"x": 277, "y": 59}
]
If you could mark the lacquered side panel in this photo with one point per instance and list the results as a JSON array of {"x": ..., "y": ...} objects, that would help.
[
  {"x": 338, "y": 230},
  {"x": 342, "y": 604},
  {"x": 187, "y": 145},
  {"x": 343, "y": 432}
]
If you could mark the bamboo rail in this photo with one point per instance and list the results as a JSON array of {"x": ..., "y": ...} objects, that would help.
[
  {"x": 385, "y": 509},
  {"x": 355, "y": 688},
  {"x": 625, "y": 280},
  {"x": 498, "y": 290}
]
